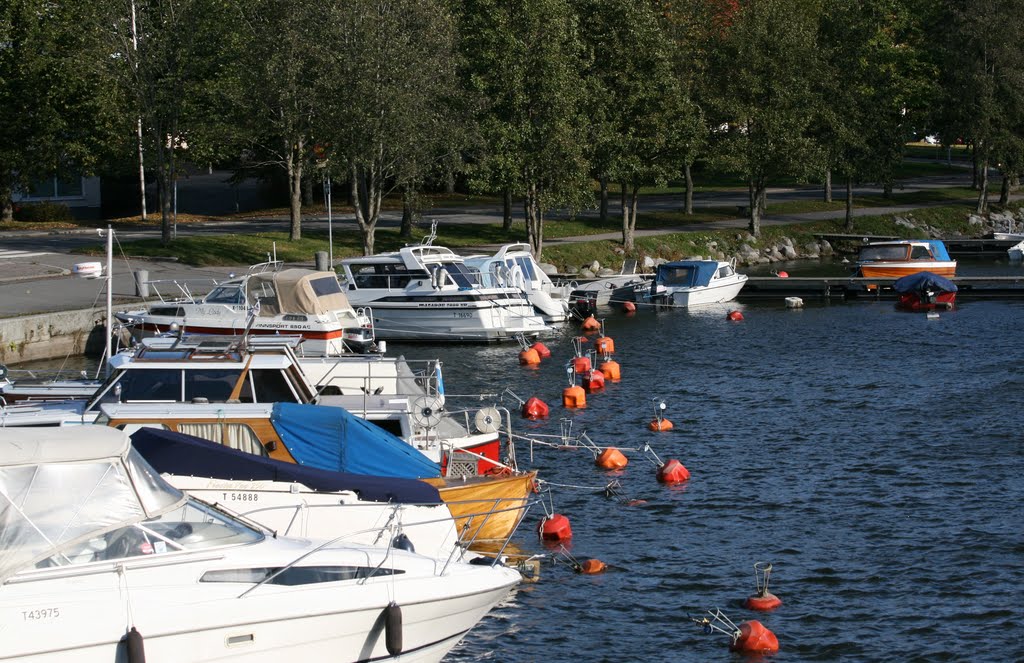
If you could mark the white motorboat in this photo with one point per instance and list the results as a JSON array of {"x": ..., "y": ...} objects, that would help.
[
  {"x": 101, "y": 560},
  {"x": 427, "y": 293},
  {"x": 514, "y": 266},
  {"x": 687, "y": 283},
  {"x": 266, "y": 301},
  {"x": 1016, "y": 252}
]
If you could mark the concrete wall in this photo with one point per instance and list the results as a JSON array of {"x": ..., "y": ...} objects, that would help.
[{"x": 52, "y": 335}]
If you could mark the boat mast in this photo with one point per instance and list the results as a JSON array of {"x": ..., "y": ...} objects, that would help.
[{"x": 110, "y": 298}]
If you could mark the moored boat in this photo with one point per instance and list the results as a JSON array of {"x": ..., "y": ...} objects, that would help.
[
  {"x": 686, "y": 283},
  {"x": 513, "y": 265},
  {"x": 894, "y": 259},
  {"x": 103, "y": 560},
  {"x": 924, "y": 291}
]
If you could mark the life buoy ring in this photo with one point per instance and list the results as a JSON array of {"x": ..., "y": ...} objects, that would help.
[{"x": 3, "y": 372}]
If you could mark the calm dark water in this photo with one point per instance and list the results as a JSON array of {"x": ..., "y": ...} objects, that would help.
[{"x": 874, "y": 457}]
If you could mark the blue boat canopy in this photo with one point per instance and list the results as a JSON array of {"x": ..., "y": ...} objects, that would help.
[
  {"x": 177, "y": 453},
  {"x": 331, "y": 438},
  {"x": 939, "y": 249},
  {"x": 686, "y": 273},
  {"x": 921, "y": 281}
]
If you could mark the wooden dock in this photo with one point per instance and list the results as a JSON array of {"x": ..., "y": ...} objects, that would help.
[{"x": 845, "y": 288}]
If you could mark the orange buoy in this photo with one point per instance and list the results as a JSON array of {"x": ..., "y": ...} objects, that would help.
[
  {"x": 764, "y": 601},
  {"x": 755, "y": 638},
  {"x": 555, "y": 527},
  {"x": 611, "y": 459},
  {"x": 660, "y": 425},
  {"x": 605, "y": 345},
  {"x": 581, "y": 365},
  {"x": 673, "y": 472},
  {"x": 529, "y": 357},
  {"x": 542, "y": 350},
  {"x": 611, "y": 370},
  {"x": 629, "y": 307},
  {"x": 734, "y": 315},
  {"x": 590, "y": 324},
  {"x": 535, "y": 408},
  {"x": 782, "y": 275},
  {"x": 574, "y": 396},
  {"x": 593, "y": 381},
  {"x": 592, "y": 567}
]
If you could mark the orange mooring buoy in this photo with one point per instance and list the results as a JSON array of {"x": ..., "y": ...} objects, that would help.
[
  {"x": 764, "y": 601},
  {"x": 590, "y": 324},
  {"x": 605, "y": 345},
  {"x": 593, "y": 381},
  {"x": 529, "y": 357},
  {"x": 734, "y": 315},
  {"x": 581, "y": 365},
  {"x": 662, "y": 424},
  {"x": 574, "y": 396},
  {"x": 542, "y": 350},
  {"x": 611, "y": 459},
  {"x": 611, "y": 369},
  {"x": 782, "y": 275},
  {"x": 755, "y": 638},
  {"x": 629, "y": 307},
  {"x": 555, "y": 527},
  {"x": 592, "y": 567},
  {"x": 673, "y": 472},
  {"x": 535, "y": 408}
]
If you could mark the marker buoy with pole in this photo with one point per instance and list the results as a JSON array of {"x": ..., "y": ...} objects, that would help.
[
  {"x": 751, "y": 637},
  {"x": 763, "y": 599},
  {"x": 660, "y": 423}
]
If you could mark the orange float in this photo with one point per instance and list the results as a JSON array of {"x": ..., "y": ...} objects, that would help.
[
  {"x": 605, "y": 345},
  {"x": 581, "y": 365},
  {"x": 535, "y": 408},
  {"x": 755, "y": 638},
  {"x": 555, "y": 527},
  {"x": 611, "y": 370},
  {"x": 764, "y": 601},
  {"x": 592, "y": 567},
  {"x": 629, "y": 307},
  {"x": 734, "y": 315},
  {"x": 611, "y": 459},
  {"x": 542, "y": 350},
  {"x": 782, "y": 275},
  {"x": 593, "y": 381},
  {"x": 673, "y": 472},
  {"x": 574, "y": 396},
  {"x": 660, "y": 425},
  {"x": 590, "y": 324},
  {"x": 529, "y": 357}
]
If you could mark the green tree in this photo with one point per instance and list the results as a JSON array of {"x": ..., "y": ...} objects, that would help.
[
  {"x": 524, "y": 59},
  {"x": 766, "y": 68},
  {"x": 60, "y": 108}
]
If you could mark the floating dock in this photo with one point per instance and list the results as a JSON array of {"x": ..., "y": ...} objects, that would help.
[{"x": 844, "y": 288}]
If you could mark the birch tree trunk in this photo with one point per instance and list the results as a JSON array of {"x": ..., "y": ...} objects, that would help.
[
  {"x": 506, "y": 219},
  {"x": 407, "y": 213},
  {"x": 828, "y": 185},
  {"x": 629, "y": 206},
  {"x": 293, "y": 162},
  {"x": 756, "y": 191},
  {"x": 1004, "y": 190},
  {"x": 366, "y": 196},
  {"x": 983, "y": 183},
  {"x": 534, "y": 220},
  {"x": 688, "y": 174},
  {"x": 848, "y": 223}
]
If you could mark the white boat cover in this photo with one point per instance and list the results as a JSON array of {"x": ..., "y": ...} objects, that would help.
[
  {"x": 62, "y": 486},
  {"x": 299, "y": 291}
]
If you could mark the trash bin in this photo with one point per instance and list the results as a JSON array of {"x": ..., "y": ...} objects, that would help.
[{"x": 321, "y": 262}]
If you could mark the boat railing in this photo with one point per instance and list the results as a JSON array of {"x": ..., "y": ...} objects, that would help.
[
  {"x": 423, "y": 379},
  {"x": 267, "y": 266},
  {"x": 469, "y": 536},
  {"x": 184, "y": 288}
]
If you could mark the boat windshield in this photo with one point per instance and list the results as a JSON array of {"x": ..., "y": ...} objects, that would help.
[
  {"x": 191, "y": 526},
  {"x": 460, "y": 274},
  {"x": 883, "y": 252},
  {"x": 225, "y": 294}
]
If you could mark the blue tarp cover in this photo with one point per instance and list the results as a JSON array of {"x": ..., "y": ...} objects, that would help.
[
  {"x": 686, "y": 273},
  {"x": 177, "y": 453},
  {"x": 939, "y": 249},
  {"x": 332, "y": 439},
  {"x": 921, "y": 281}
]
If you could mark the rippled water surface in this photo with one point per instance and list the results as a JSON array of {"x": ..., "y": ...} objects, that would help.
[{"x": 874, "y": 457}]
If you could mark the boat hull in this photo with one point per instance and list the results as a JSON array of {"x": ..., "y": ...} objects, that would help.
[
  {"x": 487, "y": 509},
  {"x": 896, "y": 270},
  {"x": 438, "y": 322},
  {"x": 911, "y": 301},
  {"x": 699, "y": 296}
]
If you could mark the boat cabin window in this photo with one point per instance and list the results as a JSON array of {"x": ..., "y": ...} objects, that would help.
[
  {"x": 920, "y": 253},
  {"x": 724, "y": 271},
  {"x": 884, "y": 252},
  {"x": 385, "y": 275},
  {"x": 526, "y": 265},
  {"x": 675, "y": 275},
  {"x": 297, "y": 575},
  {"x": 328, "y": 285},
  {"x": 236, "y": 436},
  {"x": 152, "y": 384},
  {"x": 192, "y": 526},
  {"x": 225, "y": 294},
  {"x": 459, "y": 274},
  {"x": 215, "y": 385},
  {"x": 267, "y": 385}
]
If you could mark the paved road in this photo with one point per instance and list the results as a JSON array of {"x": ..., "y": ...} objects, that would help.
[{"x": 35, "y": 267}]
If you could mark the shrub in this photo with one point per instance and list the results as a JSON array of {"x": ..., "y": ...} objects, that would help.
[{"x": 44, "y": 211}]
